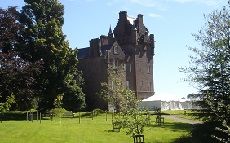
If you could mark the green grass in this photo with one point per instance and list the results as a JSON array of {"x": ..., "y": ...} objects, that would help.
[
  {"x": 186, "y": 114},
  {"x": 97, "y": 130}
]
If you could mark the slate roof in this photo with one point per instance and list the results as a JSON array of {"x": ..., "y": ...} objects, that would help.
[{"x": 84, "y": 52}]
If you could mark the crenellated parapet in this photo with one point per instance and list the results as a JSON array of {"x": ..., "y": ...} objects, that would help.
[{"x": 132, "y": 33}]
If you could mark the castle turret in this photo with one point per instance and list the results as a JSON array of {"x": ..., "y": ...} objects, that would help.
[
  {"x": 152, "y": 43},
  {"x": 110, "y": 36},
  {"x": 140, "y": 19},
  {"x": 123, "y": 15}
]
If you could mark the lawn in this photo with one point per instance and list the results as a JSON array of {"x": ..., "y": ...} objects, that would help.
[
  {"x": 98, "y": 130},
  {"x": 186, "y": 114}
]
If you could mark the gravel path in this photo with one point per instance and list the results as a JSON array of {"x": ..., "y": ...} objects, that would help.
[{"x": 182, "y": 120}]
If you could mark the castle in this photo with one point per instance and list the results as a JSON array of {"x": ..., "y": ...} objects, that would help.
[{"x": 129, "y": 45}]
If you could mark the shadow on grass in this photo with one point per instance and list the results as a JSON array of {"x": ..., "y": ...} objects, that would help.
[
  {"x": 109, "y": 131},
  {"x": 184, "y": 139},
  {"x": 176, "y": 126}
]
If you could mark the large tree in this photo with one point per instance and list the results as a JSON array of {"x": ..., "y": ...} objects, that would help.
[
  {"x": 17, "y": 76},
  {"x": 44, "y": 40},
  {"x": 210, "y": 70}
]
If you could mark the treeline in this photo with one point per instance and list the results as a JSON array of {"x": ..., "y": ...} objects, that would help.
[{"x": 37, "y": 64}]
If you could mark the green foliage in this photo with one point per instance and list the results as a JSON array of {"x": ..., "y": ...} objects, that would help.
[
  {"x": 33, "y": 50},
  {"x": 14, "y": 70},
  {"x": 134, "y": 122},
  {"x": 210, "y": 69},
  {"x": 6, "y": 106},
  {"x": 74, "y": 98},
  {"x": 124, "y": 101},
  {"x": 96, "y": 112},
  {"x": 114, "y": 90},
  {"x": 9, "y": 29},
  {"x": 58, "y": 101},
  {"x": 43, "y": 39},
  {"x": 58, "y": 112}
]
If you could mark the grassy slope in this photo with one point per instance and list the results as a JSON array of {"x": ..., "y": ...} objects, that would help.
[{"x": 97, "y": 130}]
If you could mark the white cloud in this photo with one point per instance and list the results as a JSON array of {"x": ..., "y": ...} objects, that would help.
[
  {"x": 206, "y": 2},
  {"x": 154, "y": 15},
  {"x": 145, "y": 3},
  {"x": 160, "y": 3}
]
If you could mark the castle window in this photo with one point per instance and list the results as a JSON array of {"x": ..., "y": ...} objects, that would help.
[
  {"x": 127, "y": 84},
  {"x": 142, "y": 85},
  {"x": 114, "y": 63},
  {"x": 150, "y": 86},
  {"x": 117, "y": 63},
  {"x": 149, "y": 69},
  {"x": 115, "y": 50}
]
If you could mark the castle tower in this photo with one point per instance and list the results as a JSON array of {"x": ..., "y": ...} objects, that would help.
[{"x": 129, "y": 45}]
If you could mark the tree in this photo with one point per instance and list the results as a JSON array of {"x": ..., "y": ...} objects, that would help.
[
  {"x": 44, "y": 40},
  {"x": 9, "y": 28},
  {"x": 210, "y": 70},
  {"x": 18, "y": 77},
  {"x": 112, "y": 91},
  {"x": 8, "y": 36},
  {"x": 14, "y": 70},
  {"x": 129, "y": 116},
  {"x": 6, "y": 105}
]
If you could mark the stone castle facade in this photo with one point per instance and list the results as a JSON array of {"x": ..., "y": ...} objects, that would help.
[{"x": 130, "y": 46}]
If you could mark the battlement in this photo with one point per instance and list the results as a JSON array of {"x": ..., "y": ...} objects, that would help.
[
  {"x": 123, "y": 15},
  {"x": 132, "y": 31}
]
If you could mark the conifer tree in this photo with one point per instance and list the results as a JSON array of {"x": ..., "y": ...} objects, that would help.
[{"x": 210, "y": 70}]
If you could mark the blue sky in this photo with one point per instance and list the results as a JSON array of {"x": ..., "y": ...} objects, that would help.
[{"x": 171, "y": 21}]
